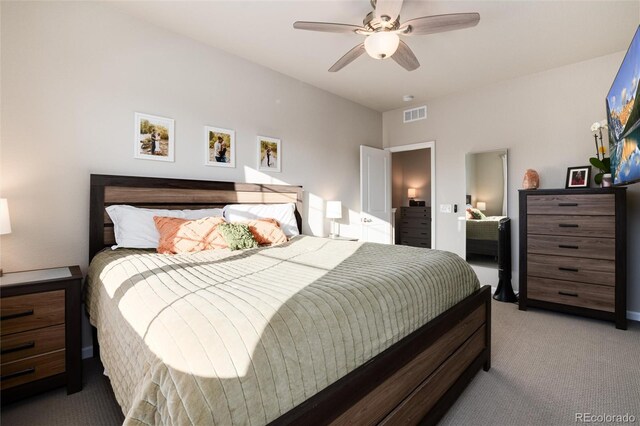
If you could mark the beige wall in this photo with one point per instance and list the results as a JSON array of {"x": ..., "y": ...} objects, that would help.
[
  {"x": 411, "y": 169},
  {"x": 542, "y": 119},
  {"x": 73, "y": 74}
]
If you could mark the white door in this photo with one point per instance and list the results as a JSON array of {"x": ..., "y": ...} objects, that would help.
[{"x": 375, "y": 194}]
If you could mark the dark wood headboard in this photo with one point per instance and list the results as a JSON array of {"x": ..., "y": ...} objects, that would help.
[{"x": 164, "y": 193}]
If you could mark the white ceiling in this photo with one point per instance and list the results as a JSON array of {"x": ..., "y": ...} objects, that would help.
[{"x": 513, "y": 38}]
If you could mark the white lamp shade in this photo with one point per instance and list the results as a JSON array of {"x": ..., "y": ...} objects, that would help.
[
  {"x": 481, "y": 205},
  {"x": 382, "y": 44},
  {"x": 334, "y": 210},
  {"x": 411, "y": 193},
  {"x": 5, "y": 221}
]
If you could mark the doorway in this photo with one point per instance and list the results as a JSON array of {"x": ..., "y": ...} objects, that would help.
[{"x": 413, "y": 194}]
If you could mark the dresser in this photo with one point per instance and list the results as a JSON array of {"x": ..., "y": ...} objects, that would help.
[
  {"x": 40, "y": 331},
  {"x": 573, "y": 251},
  {"x": 415, "y": 226}
]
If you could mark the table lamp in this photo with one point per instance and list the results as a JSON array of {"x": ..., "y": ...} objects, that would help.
[
  {"x": 411, "y": 194},
  {"x": 481, "y": 205},
  {"x": 5, "y": 221},
  {"x": 334, "y": 211}
]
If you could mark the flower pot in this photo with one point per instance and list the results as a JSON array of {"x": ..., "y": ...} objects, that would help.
[{"x": 606, "y": 180}]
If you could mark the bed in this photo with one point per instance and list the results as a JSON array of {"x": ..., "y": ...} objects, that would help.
[
  {"x": 482, "y": 235},
  {"x": 311, "y": 331}
]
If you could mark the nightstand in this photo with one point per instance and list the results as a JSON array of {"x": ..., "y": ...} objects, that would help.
[{"x": 40, "y": 332}]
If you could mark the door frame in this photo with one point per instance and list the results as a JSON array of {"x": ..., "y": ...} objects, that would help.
[{"x": 432, "y": 146}]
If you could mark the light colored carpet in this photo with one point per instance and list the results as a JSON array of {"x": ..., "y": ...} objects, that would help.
[{"x": 546, "y": 367}]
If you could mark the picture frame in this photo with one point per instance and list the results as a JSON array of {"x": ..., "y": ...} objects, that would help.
[
  {"x": 221, "y": 141},
  {"x": 269, "y": 154},
  {"x": 154, "y": 137},
  {"x": 578, "y": 177}
]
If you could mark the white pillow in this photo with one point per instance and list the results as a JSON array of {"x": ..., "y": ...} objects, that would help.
[
  {"x": 134, "y": 227},
  {"x": 201, "y": 214},
  {"x": 283, "y": 213}
]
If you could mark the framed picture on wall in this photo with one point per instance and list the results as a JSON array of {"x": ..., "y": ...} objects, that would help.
[
  {"x": 578, "y": 177},
  {"x": 154, "y": 137},
  {"x": 220, "y": 147},
  {"x": 269, "y": 154}
]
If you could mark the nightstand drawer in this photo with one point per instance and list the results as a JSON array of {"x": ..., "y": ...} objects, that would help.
[
  {"x": 30, "y": 343},
  {"x": 586, "y": 226},
  {"x": 570, "y": 204},
  {"x": 30, "y": 369},
  {"x": 589, "y": 296},
  {"x": 31, "y": 311},
  {"x": 593, "y": 271},
  {"x": 593, "y": 248}
]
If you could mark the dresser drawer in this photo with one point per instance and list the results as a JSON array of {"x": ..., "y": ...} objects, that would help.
[
  {"x": 31, "y": 311},
  {"x": 29, "y": 343},
  {"x": 416, "y": 242},
  {"x": 30, "y": 369},
  {"x": 415, "y": 222},
  {"x": 584, "y": 247},
  {"x": 594, "y": 271},
  {"x": 589, "y": 296},
  {"x": 415, "y": 212},
  {"x": 415, "y": 233},
  {"x": 570, "y": 204},
  {"x": 586, "y": 226}
]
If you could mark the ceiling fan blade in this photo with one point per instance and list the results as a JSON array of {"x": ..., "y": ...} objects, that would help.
[
  {"x": 328, "y": 27},
  {"x": 440, "y": 23},
  {"x": 405, "y": 58},
  {"x": 349, "y": 57},
  {"x": 390, "y": 8}
]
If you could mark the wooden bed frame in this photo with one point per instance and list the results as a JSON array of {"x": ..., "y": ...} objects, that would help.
[{"x": 416, "y": 380}]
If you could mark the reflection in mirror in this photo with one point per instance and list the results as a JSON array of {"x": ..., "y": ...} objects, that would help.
[{"x": 486, "y": 179}]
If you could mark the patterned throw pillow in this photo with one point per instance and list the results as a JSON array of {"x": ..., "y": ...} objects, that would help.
[
  {"x": 476, "y": 214},
  {"x": 179, "y": 235},
  {"x": 266, "y": 231},
  {"x": 237, "y": 235}
]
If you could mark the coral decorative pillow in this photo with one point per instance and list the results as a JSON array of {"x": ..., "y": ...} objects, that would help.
[
  {"x": 179, "y": 235},
  {"x": 267, "y": 231}
]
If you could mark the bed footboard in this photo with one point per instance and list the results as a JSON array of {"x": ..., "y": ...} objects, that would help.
[{"x": 414, "y": 381}]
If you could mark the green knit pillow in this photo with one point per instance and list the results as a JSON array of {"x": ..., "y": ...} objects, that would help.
[{"x": 237, "y": 236}]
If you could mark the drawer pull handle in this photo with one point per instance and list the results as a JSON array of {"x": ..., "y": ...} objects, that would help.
[
  {"x": 17, "y": 315},
  {"x": 567, "y": 269},
  {"x": 18, "y": 374},
  {"x": 568, "y": 225},
  {"x": 568, "y": 247},
  {"x": 567, "y": 204},
  {"x": 22, "y": 347},
  {"x": 564, "y": 293}
]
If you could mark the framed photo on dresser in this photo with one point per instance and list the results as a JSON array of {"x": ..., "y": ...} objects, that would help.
[{"x": 578, "y": 177}]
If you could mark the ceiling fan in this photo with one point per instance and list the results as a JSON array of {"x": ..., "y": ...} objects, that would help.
[{"x": 382, "y": 28}]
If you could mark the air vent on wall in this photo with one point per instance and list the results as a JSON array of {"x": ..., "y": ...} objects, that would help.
[{"x": 415, "y": 114}]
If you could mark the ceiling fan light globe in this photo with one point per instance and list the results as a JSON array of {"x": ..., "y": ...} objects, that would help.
[{"x": 382, "y": 44}]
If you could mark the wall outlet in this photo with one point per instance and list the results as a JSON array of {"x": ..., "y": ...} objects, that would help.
[{"x": 445, "y": 208}]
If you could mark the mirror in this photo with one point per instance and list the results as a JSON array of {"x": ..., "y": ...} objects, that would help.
[{"x": 486, "y": 190}]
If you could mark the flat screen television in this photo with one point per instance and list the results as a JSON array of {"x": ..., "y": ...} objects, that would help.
[{"x": 623, "y": 116}]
